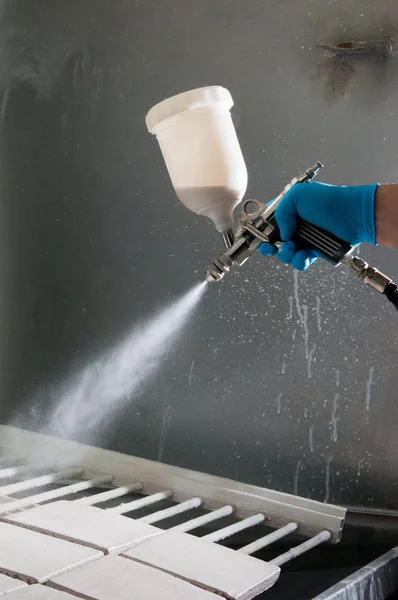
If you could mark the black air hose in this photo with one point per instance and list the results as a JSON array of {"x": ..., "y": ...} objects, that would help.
[{"x": 391, "y": 292}]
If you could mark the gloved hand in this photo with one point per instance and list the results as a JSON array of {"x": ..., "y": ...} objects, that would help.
[{"x": 347, "y": 212}]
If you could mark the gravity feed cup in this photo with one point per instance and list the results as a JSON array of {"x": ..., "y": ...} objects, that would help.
[{"x": 202, "y": 153}]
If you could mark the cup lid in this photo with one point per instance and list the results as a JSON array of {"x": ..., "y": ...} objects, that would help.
[{"x": 199, "y": 98}]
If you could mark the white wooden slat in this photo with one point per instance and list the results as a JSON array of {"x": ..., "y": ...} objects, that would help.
[
  {"x": 204, "y": 519},
  {"x": 269, "y": 539},
  {"x": 115, "y": 578},
  {"x": 223, "y": 534},
  {"x": 172, "y": 511},
  {"x": 210, "y": 566},
  {"x": 34, "y": 557},
  {"x": 9, "y": 461},
  {"x": 313, "y": 542},
  {"x": 28, "y": 484},
  {"x": 86, "y": 525},
  {"x": 40, "y": 592},
  {"x": 141, "y": 502},
  {"x": 110, "y": 494},
  {"x": 9, "y": 584},
  {"x": 53, "y": 494},
  {"x": 8, "y": 472}
]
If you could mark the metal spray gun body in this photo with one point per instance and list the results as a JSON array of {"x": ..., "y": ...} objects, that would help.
[
  {"x": 257, "y": 224},
  {"x": 201, "y": 150}
]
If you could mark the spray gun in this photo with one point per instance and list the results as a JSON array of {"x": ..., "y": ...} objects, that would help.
[
  {"x": 257, "y": 224},
  {"x": 203, "y": 156}
]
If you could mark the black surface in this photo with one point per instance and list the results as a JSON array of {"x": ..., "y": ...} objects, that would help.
[{"x": 92, "y": 238}]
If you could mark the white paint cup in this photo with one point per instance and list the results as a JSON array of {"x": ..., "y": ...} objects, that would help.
[{"x": 202, "y": 152}]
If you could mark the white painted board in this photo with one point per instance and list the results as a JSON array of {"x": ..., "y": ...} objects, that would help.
[
  {"x": 40, "y": 592},
  {"x": 8, "y": 584},
  {"x": 34, "y": 557},
  {"x": 213, "y": 567},
  {"x": 116, "y": 578},
  {"x": 86, "y": 525}
]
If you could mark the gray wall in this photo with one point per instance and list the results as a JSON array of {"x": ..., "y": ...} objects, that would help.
[{"x": 93, "y": 239}]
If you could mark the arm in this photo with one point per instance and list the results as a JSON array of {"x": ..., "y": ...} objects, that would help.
[{"x": 387, "y": 215}]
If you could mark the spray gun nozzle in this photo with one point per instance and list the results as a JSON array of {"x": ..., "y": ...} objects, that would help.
[
  {"x": 215, "y": 273},
  {"x": 210, "y": 277},
  {"x": 218, "y": 268}
]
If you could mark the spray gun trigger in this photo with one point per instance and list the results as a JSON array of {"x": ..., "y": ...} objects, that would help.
[{"x": 255, "y": 232}]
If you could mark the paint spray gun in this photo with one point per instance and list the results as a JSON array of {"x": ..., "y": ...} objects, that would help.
[{"x": 199, "y": 144}]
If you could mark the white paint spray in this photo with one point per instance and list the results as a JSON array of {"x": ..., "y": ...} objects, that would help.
[
  {"x": 327, "y": 478},
  {"x": 310, "y": 359},
  {"x": 168, "y": 415},
  {"x": 318, "y": 313},
  {"x": 296, "y": 477},
  {"x": 306, "y": 331},
  {"x": 278, "y": 404},
  {"x": 369, "y": 387},
  {"x": 296, "y": 293},
  {"x": 337, "y": 378},
  {"x": 113, "y": 380},
  {"x": 311, "y": 438},
  {"x": 290, "y": 315},
  {"x": 190, "y": 373},
  {"x": 302, "y": 311},
  {"x": 334, "y": 416}
]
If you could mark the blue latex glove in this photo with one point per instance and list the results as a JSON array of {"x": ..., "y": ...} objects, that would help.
[{"x": 347, "y": 212}]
